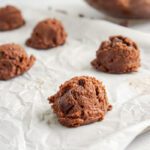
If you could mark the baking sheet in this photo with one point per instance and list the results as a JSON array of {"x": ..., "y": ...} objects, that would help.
[{"x": 26, "y": 119}]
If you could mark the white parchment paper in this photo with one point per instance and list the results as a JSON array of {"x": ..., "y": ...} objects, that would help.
[{"x": 26, "y": 119}]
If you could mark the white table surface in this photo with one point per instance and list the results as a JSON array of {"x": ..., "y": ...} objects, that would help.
[{"x": 77, "y": 7}]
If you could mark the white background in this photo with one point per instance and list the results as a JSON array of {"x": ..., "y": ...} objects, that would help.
[{"x": 79, "y": 7}]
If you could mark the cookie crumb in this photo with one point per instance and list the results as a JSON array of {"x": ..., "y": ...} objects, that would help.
[
  {"x": 62, "y": 11},
  {"x": 81, "y": 15},
  {"x": 124, "y": 23}
]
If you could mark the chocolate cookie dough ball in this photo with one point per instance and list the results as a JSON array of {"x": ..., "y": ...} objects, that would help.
[
  {"x": 133, "y": 9},
  {"x": 47, "y": 34},
  {"x": 117, "y": 55},
  {"x": 80, "y": 101},
  {"x": 13, "y": 61},
  {"x": 10, "y": 18}
]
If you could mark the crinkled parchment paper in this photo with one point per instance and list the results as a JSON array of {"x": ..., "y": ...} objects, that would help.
[{"x": 26, "y": 119}]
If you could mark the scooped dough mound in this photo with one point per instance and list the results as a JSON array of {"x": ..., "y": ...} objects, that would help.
[
  {"x": 14, "y": 61},
  {"x": 79, "y": 101},
  {"x": 47, "y": 34},
  {"x": 117, "y": 55}
]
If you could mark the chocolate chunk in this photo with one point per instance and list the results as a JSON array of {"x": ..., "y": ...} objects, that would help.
[
  {"x": 81, "y": 15},
  {"x": 118, "y": 55},
  {"x": 65, "y": 105},
  {"x": 47, "y": 34},
  {"x": 80, "y": 105},
  {"x": 13, "y": 61},
  {"x": 82, "y": 82},
  {"x": 10, "y": 18}
]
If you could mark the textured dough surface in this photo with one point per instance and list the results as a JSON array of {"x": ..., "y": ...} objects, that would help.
[
  {"x": 117, "y": 55},
  {"x": 14, "y": 61},
  {"x": 47, "y": 34},
  {"x": 79, "y": 101},
  {"x": 10, "y": 18}
]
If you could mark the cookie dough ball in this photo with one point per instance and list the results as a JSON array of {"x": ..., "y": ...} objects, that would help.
[
  {"x": 13, "y": 61},
  {"x": 117, "y": 55},
  {"x": 10, "y": 18},
  {"x": 47, "y": 34},
  {"x": 133, "y": 9},
  {"x": 80, "y": 101}
]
